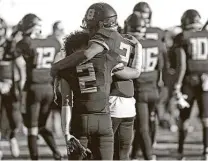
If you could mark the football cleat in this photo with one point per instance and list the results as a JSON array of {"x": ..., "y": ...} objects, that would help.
[{"x": 14, "y": 147}]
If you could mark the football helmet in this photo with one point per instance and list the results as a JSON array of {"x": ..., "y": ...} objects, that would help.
[
  {"x": 143, "y": 9},
  {"x": 3, "y": 28},
  {"x": 191, "y": 19},
  {"x": 100, "y": 15},
  {"x": 30, "y": 24},
  {"x": 135, "y": 25}
]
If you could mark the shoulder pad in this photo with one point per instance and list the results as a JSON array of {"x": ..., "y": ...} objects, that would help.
[{"x": 105, "y": 32}]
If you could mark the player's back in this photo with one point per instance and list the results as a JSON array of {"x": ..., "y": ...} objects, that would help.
[
  {"x": 152, "y": 61},
  {"x": 39, "y": 55},
  {"x": 154, "y": 33},
  {"x": 91, "y": 83},
  {"x": 195, "y": 44},
  {"x": 119, "y": 44}
]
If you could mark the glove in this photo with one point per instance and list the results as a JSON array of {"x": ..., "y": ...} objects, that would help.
[
  {"x": 74, "y": 145},
  {"x": 118, "y": 67},
  {"x": 181, "y": 100},
  {"x": 5, "y": 87}
]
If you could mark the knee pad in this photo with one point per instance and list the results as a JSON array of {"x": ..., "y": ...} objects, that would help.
[
  {"x": 205, "y": 122},
  {"x": 33, "y": 131}
]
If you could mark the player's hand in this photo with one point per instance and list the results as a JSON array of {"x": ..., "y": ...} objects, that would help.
[
  {"x": 74, "y": 145},
  {"x": 118, "y": 67},
  {"x": 5, "y": 87},
  {"x": 181, "y": 100},
  {"x": 160, "y": 84}
]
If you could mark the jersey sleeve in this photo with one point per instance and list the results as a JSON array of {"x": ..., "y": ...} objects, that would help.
[
  {"x": 137, "y": 61},
  {"x": 101, "y": 40},
  {"x": 22, "y": 48}
]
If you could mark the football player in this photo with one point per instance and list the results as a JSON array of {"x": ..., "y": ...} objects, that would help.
[
  {"x": 90, "y": 82},
  {"x": 101, "y": 22},
  {"x": 38, "y": 54},
  {"x": 146, "y": 86},
  {"x": 191, "y": 47},
  {"x": 57, "y": 35},
  {"x": 12, "y": 73}
]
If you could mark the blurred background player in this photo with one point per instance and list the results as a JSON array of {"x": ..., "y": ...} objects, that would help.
[
  {"x": 38, "y": 54},
  {"x": 121, "y": 97},
  {"x": 191, "y": 47},
  {"x": 12, "y": 73},
  {"x": 55, "y": 117},
  {"x": 146, "y": 86}
]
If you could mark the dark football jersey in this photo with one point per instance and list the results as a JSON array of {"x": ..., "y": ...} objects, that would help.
[
  {"x": 39, "y": 55},
  {"x": 155, "y": 33},
  {"x": 195, "y": 45},
  {"x": 7, "y": 56},
  {"x": 91, "y": 83},
  {"x": 153, "y": 61},
  {"x": 115, "y": 42}
]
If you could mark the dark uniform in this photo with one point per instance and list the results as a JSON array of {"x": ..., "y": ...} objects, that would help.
[
  {"x": 91, "y": 122},
  {"x": 154, "y": 33},
  {"x": 120, "y": 44},
  {"x": 9, "y": 74},
  {"x": 113, "y": 41},
  {"x": 39, "y": 55},
  {"x": 146, "y": 92},
  {"x": 195, "y": 45}
]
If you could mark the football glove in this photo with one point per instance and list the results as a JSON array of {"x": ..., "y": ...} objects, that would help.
[
  {"x": 74, "y": 146},
  {"x": 181, "y": 100}
]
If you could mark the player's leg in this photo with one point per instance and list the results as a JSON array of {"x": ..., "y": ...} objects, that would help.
[
  {"x": 161, "y": 106},
  {"x": 79, "y": 129},
  {"x": 115, "y": 124},
  {"x": 1, "y": 153},
  {"x": 105, "y": 137},
  {"x": 14, "y": 118},
  {"x": 183, "y": 119},
  {"x": 43, "y": 116},
  {"x": 202, "y": 100},
  {"x": 143, "y": 129},
  {"x": 125, "y": 132},
  {"x": 153, "y": 98},
  {"x": 33, "y": 99}
]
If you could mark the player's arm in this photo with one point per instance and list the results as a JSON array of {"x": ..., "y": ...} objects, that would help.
[
  {"x": 161, "y": 64},
  {"x": 134, "y": 70},
  {"x": 66, "y": 112},
  {"x": 21, "y": 66},
  {"x": 181, "y": 66},
  {"x": 22, "y": 49},
  {"x": 127, "y": 73},
  {"x": 76, "y": 58},
  {"x": 138, "y": 57}
]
